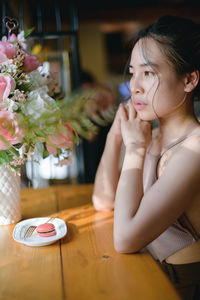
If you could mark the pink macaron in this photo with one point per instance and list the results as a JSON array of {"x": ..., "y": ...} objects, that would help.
[{"x": 46, "y": 229}]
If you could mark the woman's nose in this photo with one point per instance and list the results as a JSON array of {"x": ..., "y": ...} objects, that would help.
[{"x": 136, "y": 86}]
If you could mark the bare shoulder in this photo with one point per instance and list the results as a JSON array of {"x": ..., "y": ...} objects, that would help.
[{"x": 193, "y": 141}]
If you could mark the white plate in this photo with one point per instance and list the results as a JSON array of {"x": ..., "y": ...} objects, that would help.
[{"x": 35, "y": 239}]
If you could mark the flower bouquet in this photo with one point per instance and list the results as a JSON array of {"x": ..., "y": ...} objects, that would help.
[{"x": 31, "y": 120}]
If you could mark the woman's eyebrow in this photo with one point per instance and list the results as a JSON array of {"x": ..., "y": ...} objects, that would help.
[{"x": 149, "y": 64}]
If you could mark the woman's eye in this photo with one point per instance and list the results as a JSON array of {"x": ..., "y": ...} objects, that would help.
[{"x": 148, "y": 73}]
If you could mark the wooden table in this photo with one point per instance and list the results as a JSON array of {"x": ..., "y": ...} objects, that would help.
[{"x": 83, "y": 265}]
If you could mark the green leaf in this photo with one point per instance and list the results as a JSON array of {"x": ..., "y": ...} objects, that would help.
[
  {"x": 45, "y": 153},
  {"x": 5, "y": 157},
  {"x": 28, "y": 32}
]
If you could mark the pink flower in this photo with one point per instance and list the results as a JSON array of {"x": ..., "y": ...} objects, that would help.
[
  {"x": 7, "y": 51},
  {"x": 13, "y": 38},
  {"x": 30, "y": 63},
  {"x": 62, "y": 139},
  {"x": 7, "y": 85},
  {"x": 10, "y": 133}
]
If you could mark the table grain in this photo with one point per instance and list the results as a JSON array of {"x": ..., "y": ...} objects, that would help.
[{"x": 83, "y": 265}]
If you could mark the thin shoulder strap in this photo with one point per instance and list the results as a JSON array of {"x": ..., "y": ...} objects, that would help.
[
  {"x": 149, "y": 147},
  {"x": 178, "y": 141},
  {"x": 181, "y": 139}
]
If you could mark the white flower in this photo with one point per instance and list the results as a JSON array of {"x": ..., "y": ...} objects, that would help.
[
  {"x": 38, "y": 103},
  {"x": 44, "y": 77},
  {"x": 41, "y": 76},
  {"x": 21, "y": 40},
  {"x": 65, "y": 158},
  {"x": 13, "y": 39},
  {"x": 8, "y": 66},
  {"x": 10, "y": 105},
  {"x": 36, "y": 80},
  {"x": 44, "y": 69}
]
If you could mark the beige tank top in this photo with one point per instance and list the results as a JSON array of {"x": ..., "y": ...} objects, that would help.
[{"x": 181, "y": 233}]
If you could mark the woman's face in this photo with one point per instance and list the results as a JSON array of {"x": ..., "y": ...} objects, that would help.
[{"x": 155, "y": 88}]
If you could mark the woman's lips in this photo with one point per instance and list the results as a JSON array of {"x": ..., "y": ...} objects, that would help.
[{"x": 139, "y": 105}]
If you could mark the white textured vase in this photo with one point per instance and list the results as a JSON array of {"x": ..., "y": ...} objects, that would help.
[{"x": 10, "y": 204}]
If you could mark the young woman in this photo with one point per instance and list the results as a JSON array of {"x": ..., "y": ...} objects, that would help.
[{"x": 156, "y": 194}]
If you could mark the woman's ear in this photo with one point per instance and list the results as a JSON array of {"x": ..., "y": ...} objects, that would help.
[{"x": 191, "y": 81}]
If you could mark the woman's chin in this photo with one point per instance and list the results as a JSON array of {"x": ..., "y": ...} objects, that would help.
[{"x": 146, "y": 116}]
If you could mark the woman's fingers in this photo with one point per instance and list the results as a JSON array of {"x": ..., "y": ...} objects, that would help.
[
  {"x": 124, "y": 112},
  {"x": 128, "y": 111},
  {"x": 131, "y": 110}
]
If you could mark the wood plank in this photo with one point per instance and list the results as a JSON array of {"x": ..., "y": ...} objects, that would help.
[
  {"x": 38, "y": 203},
  {"x": 94, "y": 270},
  {"x": 27, "y": 272},
  {"x": 73, "y": 195},
  {"x": 84, "y": 264},
  {"x": 47, "y": 201},
  {"x": 30, "y": 272}
]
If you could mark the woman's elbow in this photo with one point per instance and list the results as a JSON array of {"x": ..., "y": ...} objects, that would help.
[
  {"x": 126, "y": 244},
  {"x": 123, "y": 249}
]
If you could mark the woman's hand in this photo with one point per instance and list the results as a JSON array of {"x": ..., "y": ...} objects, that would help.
[
  {"x": 115, "y": 129},
  {"x": 133, "y": 129}
]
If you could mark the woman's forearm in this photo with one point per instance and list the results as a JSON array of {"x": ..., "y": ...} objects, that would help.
[
  {"x": 129, "y": 193},
  {"x": 107, "y": 175}
]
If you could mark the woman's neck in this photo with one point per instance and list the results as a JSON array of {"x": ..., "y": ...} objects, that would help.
[{"x": 173, "y": 127}]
